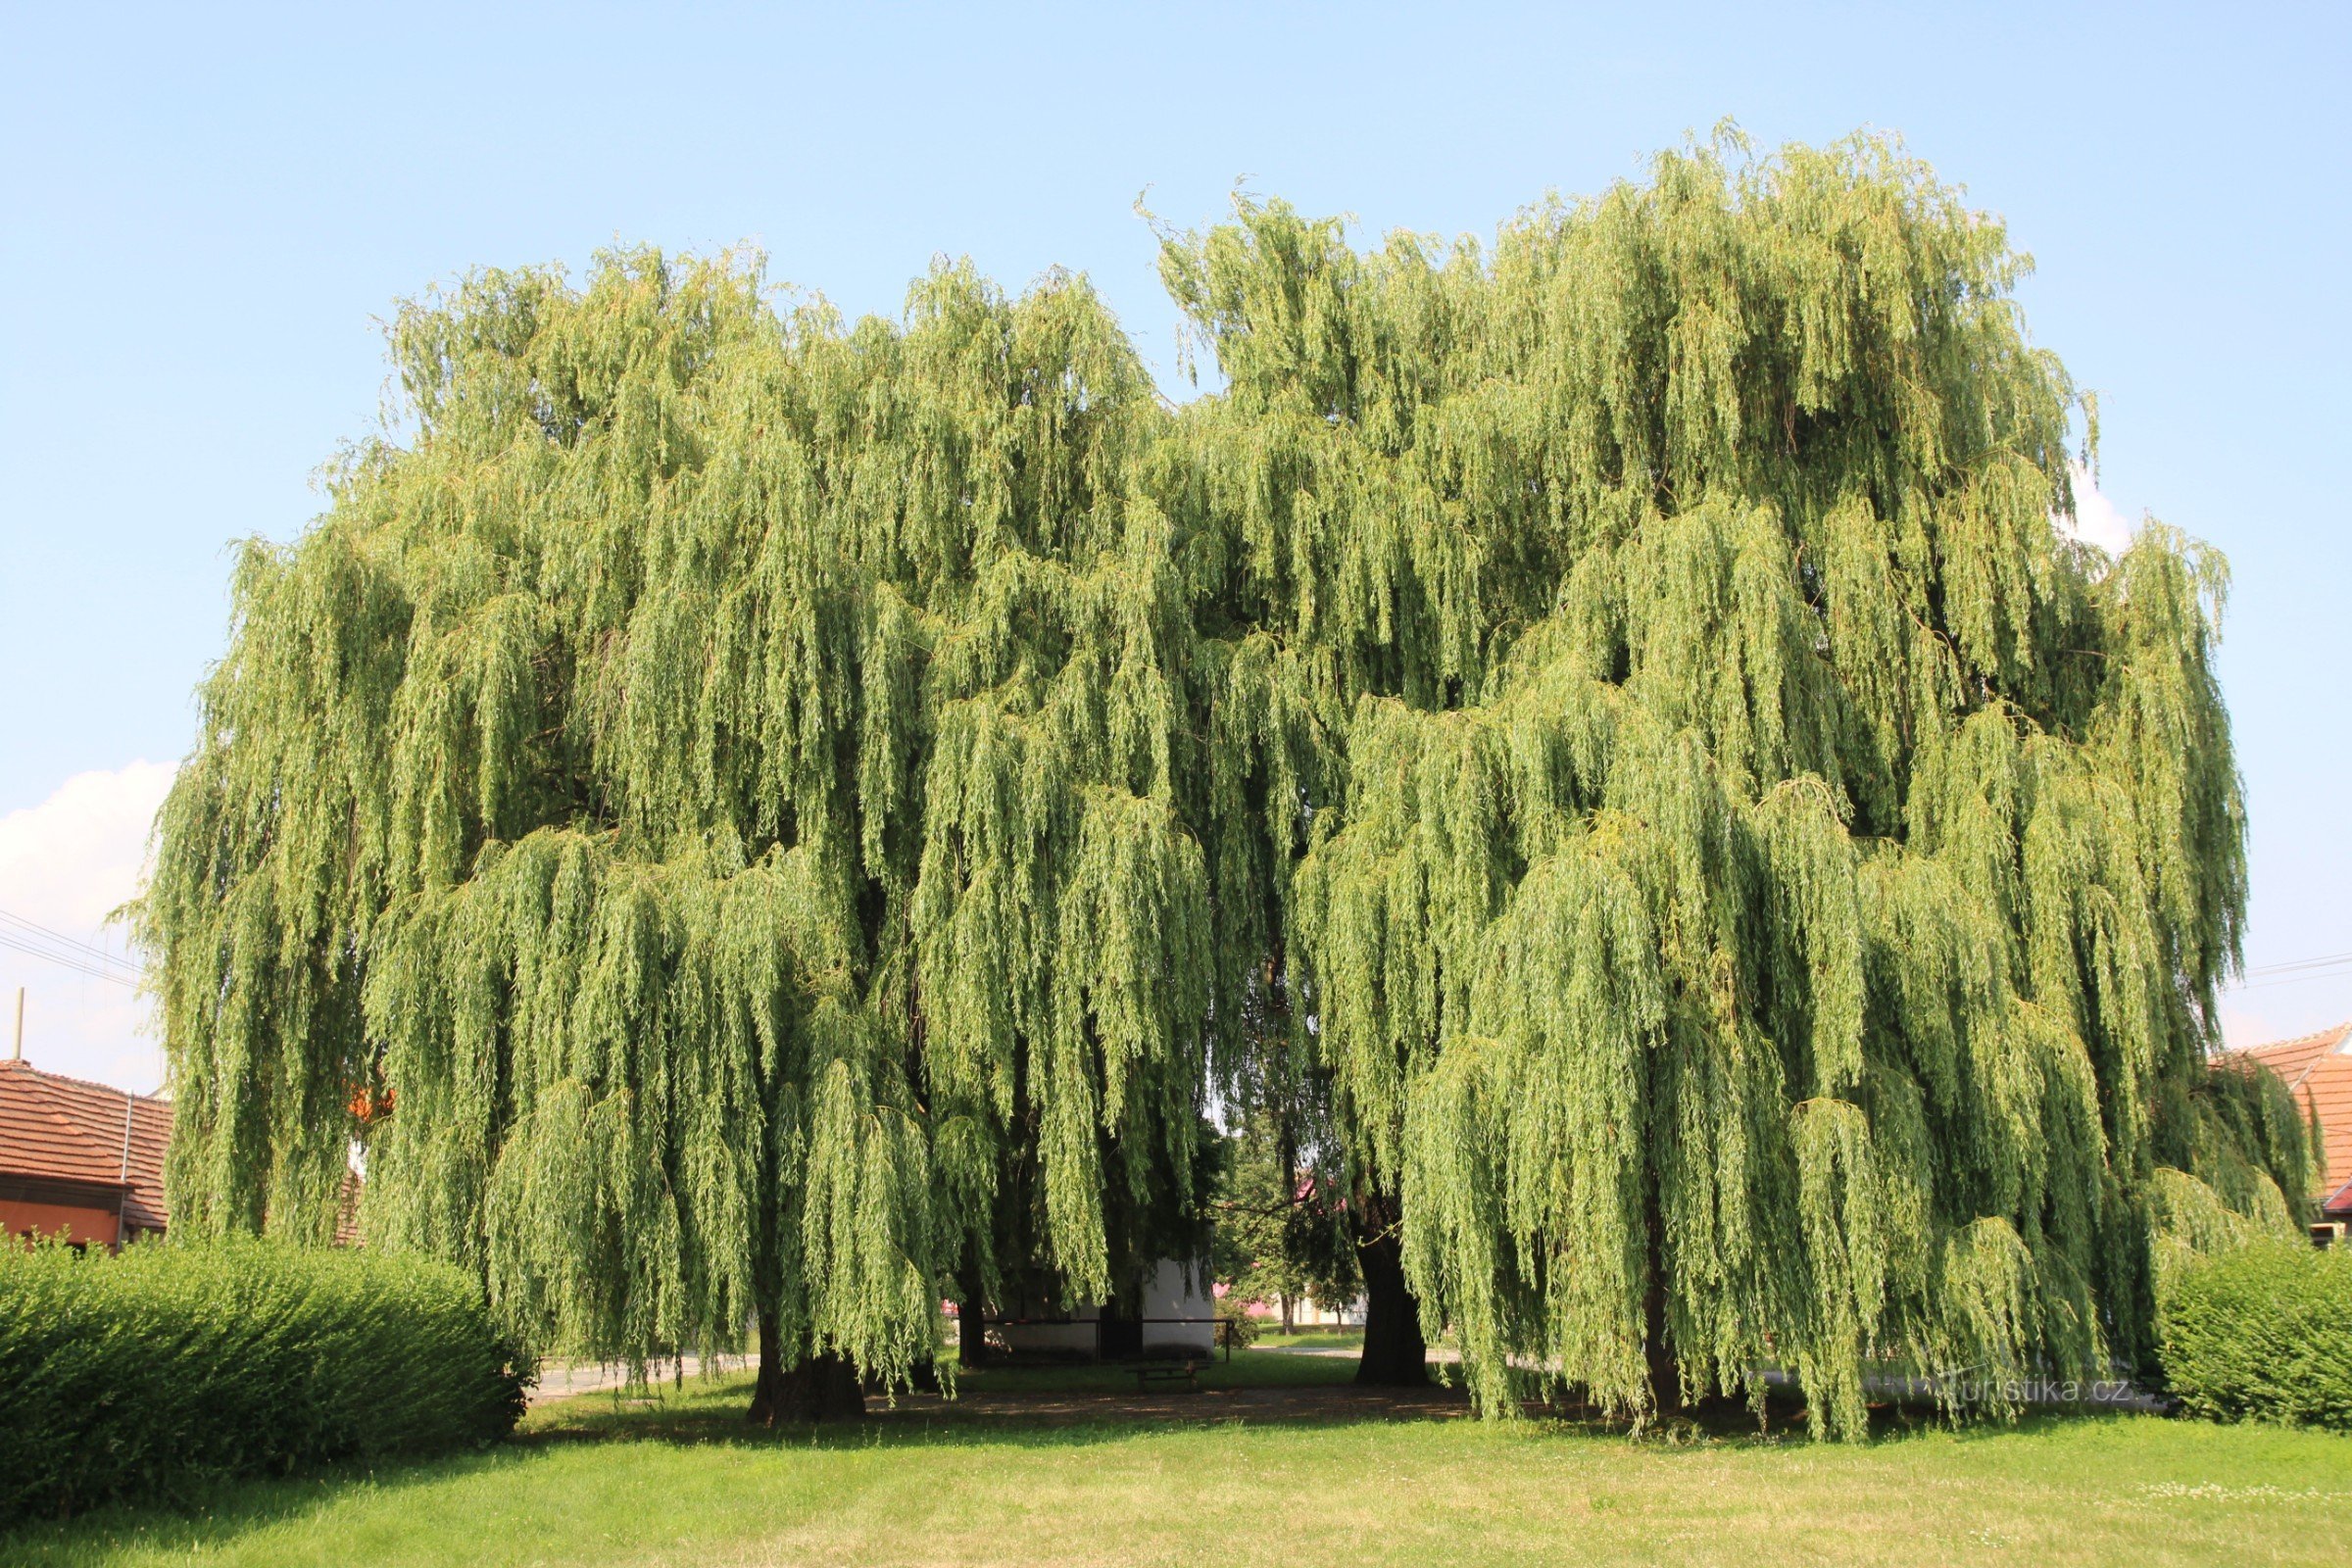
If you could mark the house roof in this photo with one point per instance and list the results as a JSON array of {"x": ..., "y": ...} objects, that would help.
[
  {"x": 69, "y": 1130},
  {"x": 2318, "y": 1069},
  {"x": 2338, "y": 1203}
]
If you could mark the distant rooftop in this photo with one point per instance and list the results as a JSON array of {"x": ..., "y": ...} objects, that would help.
[
  {"x": 55, "y": 1128},
  {"x": 2318, "y": 1069}
]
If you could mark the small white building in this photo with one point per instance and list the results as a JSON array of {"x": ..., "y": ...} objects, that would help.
[{"x": 1177, "y": 1317}]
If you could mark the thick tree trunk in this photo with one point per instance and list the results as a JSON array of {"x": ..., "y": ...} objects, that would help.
[
  {"x": 971, "y": 1330},
  {"x": 821, "y": 1388},
  {"x": 1285, "y": 1314},
  {"x": 1665, "y": 1382},
  {"x": 1396, "y": 1356},
  {"x": 1666, "y": 1393}
]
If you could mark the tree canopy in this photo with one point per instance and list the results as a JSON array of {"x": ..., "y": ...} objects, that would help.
[{"x": 788, "y": 810}]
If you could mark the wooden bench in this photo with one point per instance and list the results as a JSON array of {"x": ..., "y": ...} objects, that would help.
[{"x": 1187, "y": 1372}]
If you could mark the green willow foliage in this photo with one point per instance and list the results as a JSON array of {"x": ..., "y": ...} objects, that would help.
[
  {"x": 672, "y": 776},
  {"x": 792, "y": 811},
  {"x": 1759, "y": 885}
]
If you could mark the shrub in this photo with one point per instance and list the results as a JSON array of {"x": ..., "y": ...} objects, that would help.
[
  {"x": 2262, "y": 1332},
  {"x": 149, "y": 1375}
]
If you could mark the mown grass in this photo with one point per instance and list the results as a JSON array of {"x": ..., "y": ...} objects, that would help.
[
  {"x": 677, "y": 1479},
  {"x": 1273, "y": 1338}
]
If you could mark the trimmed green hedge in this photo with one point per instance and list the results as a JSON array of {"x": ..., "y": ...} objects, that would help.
[
  {"x": 148, "y": 1376},
  {"x": 2263, "y": 1333}
]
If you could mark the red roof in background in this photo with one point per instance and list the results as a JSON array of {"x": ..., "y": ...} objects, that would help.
[
  {"x": 2318, "y": 1068},
  {"x": 69, "y": 1130},
  {"x": 2289, "y": 1058},
  {"x": 38, "y": 1138}
]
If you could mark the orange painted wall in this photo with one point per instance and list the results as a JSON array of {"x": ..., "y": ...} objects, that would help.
[{"x": 91, "y": 1227}]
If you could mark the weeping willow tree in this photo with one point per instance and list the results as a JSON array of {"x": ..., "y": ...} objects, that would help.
[
  {"x": 668, "y": 780},
  {"x": 1607, "y": 733},
  {"x": 1757, "y": 883}
]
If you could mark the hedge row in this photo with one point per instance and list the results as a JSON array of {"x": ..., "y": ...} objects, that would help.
[
  {"x": 147, "y": 1376},
  {"x": 2263, "y": 1333}
]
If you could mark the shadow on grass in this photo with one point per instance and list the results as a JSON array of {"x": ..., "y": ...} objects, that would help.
[
  {"x": 1040, "y": 1407},
  {"x": 1000, "y": 1408},
  {"x": 1030, "y": 1406}
]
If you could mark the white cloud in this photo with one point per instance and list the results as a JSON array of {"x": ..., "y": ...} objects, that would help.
[
  {"x": 2095, "y": 521},
  {"x": 66, "y": 864}
]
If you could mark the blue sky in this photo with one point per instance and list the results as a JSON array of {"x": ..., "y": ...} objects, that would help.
[{"x": 203, "y": 211}]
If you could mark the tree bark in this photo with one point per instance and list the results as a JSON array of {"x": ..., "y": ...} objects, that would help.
[
  {"x": 1666, "y": 1393},
  {"x": 971, "y": 1329},
  {"x": 820, "y": 1387},
  {"x": 1665, "y": 1378},
  {"x": 1396, "y": 1356}
]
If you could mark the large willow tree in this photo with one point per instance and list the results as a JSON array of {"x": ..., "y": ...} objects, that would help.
[
  {"x": 668, "y": 780},
  {"x": 1607, "y": 737},
  {"x": 1759, "y": 886}
]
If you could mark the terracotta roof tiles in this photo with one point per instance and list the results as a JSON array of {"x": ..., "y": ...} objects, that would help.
[
  {"x": 2289, "y": 1058},
  {"x": 2318, "y": 1069},
  {"x": 69, "y": 1129}
]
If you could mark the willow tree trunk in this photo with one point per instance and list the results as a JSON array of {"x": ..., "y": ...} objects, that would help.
[
  {"x": 1665, "y": 1378},
  {"x": 1396, "y": 1356},
  {"x": 971, "y": 1330},
  {"x": 822, "y": 1388},
  {"x": 1665, "y": 1381}
]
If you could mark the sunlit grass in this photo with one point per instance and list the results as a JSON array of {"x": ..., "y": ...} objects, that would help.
[
  {"x": 678, "y": 1478},
  {"x": 1273, "y": 1338}
]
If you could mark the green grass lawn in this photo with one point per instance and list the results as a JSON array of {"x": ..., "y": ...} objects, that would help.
[
  {"x": 1018, "y": 1473},
  {"x": 1273, "y": 1338}
]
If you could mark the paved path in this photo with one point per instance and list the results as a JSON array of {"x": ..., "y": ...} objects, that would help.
[
  {"x": 1438, "y": 1355},
  {"x": 560, "y": 1379}
]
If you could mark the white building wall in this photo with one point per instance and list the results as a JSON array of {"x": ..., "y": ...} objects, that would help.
[
  {"x": 1170, "y": 1295},
  {"x": 1167, "y": 1294}
]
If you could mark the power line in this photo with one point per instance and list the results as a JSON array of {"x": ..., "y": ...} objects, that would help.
[
  {"x": 10, "y": 940},
  {"x": 2296, "y": 979},
  {"x": 2295, "y": 971},
  {"x": 77, "y": 947},
  {"x": 2331, "y": 962},
  {"x": 64, "y": 961}
]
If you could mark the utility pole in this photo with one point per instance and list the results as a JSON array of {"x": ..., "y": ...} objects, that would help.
[{"x": 19, "y": 1053}]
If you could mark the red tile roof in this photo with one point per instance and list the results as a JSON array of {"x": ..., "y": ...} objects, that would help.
[
  {"x": 2318, "y": 1068},
  {"x": 68, "y": 1129},
  {"x": 2289, "y": 1058},
  {"x": 2338, "y": 1205}
]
